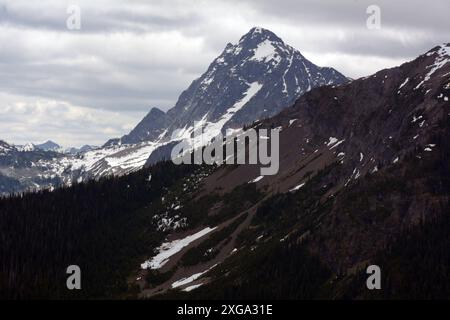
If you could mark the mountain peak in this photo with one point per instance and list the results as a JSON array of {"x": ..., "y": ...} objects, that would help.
[
  {"x": 50, "y": 142},
  {"x": 49, "y": 145},
  {"x": 150, "y": 128},
  {"x": 257, "y": 35},
  {"x": 156, "y": 112},
  {"x": 27, "y": 147},
  {"x": 250, "y": 80}
]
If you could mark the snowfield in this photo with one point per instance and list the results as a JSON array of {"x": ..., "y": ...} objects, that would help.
[
  {"x": 265, "y": 51},
  {"x": 168, "y": 249}
]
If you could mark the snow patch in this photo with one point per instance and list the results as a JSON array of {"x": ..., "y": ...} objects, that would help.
[
  {"x": 256, "y": 179},
  {"x": 265, "y": 51},
  {"x": 415, "y": 119},
  {"x": 168, "y": 249},
  {"x": 193, "y": 287},
  {"x": 333, "y": 142},
  {"x": 190, "y": 279},
  {"x": 297, "y": 187},
  {"x": 404, "y": 82},
  {"x": 441, "y": 60}
]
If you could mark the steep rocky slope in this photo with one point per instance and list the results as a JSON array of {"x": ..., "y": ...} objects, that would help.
[{"x": 360, "y": 164}]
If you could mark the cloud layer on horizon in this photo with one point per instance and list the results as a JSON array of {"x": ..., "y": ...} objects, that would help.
[{"x": 86, "y": 86}]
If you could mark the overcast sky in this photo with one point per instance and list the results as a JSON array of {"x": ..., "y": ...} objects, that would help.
[{"x": 85, "y": 86}]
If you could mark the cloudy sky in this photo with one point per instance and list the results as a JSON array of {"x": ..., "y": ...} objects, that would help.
[{"x": 85, "y": 86}]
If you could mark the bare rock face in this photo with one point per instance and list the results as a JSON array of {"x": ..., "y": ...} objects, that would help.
[{"x": 380, "y": 147}]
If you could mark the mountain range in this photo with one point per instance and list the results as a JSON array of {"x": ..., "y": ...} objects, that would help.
[
  {"x": 251, "y": 80},
  {"x": 364, "y": 180}
]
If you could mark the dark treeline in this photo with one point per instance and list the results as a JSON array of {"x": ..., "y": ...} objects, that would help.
[
  {"x": 104, "y": 227},
  {"x": 272, "y": 271},
  {"x": 414, "y": 266}
]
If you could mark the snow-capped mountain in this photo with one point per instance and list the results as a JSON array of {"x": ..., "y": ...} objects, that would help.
[
  {"x": 74, "y": 151},
  {"x": 253, "y": 79},
  {"x": 27, "y": 147},
  {"x": 250, "y": 80},
  {"x": 28, "y": 167},
  {"x": 53, "y": 146}
]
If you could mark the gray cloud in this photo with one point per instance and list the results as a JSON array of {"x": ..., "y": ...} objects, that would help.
[
  {"x": 131, "y": 55},
  {"x": 408, "y": 27}
]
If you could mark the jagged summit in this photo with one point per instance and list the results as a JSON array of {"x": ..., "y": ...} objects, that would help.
[
  {"x": 150, "y": 128},
  {"x": 252, "y": 79},
  {"x": 258, "y": 34}
]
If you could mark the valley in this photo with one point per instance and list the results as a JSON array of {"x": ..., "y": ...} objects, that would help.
[{"x": 364, "y": 178}]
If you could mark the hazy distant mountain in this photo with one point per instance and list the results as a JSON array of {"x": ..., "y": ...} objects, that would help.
[
  {"x": 49, "y": 146},
  {"x": 75, "y": 151},
  {"x": 28, "y": 167}
]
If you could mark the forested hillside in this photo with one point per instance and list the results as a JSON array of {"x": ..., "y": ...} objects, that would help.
[{"x": 103, "y": 227}]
